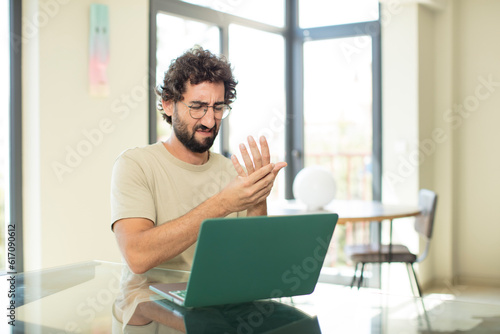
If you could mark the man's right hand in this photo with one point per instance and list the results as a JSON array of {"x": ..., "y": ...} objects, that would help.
[{"x": 246, "y": 191}]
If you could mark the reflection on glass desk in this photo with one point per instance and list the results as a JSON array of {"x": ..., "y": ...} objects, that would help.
[{"x": 96, "y": 297}]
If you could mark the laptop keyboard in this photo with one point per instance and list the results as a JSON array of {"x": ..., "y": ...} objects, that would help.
[{"x": 179, "y": 293}]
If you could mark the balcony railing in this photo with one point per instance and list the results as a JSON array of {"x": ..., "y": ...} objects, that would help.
[{"x": 352, "y": 172}]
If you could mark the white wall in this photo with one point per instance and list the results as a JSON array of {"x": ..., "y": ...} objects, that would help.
[
  {"x": 66, "y": 198},
  {"x": 477, "y": 162},
  {"x": 400, "y": 103},
  {"x": 451, "y": 48},
  {"x": 439, "y": 267},
  {"x": 400, "y": 108}
]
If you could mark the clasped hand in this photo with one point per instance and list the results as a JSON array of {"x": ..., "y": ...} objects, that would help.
[{"x": 251, "y": 187}]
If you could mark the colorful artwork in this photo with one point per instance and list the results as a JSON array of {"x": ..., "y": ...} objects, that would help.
[{"x": 99, "y": 50}]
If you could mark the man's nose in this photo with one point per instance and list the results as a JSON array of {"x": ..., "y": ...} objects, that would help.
[{"x": 208, "y": 119}]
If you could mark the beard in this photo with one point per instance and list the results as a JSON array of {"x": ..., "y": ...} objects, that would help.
[{"x": 189, "y": 141}]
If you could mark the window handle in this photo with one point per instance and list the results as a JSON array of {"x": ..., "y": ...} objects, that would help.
[{"x": 296, "y": 154}]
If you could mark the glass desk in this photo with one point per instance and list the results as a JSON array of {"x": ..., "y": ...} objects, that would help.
[{"x": 93, "y": 297}]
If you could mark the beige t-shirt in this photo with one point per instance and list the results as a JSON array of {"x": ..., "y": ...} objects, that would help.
[{"x": 149, "y": 182}]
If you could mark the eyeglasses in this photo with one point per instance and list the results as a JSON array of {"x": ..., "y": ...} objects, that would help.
[{"x": 198, "y": 110}]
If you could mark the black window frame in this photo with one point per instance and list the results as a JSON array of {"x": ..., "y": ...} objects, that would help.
[{"x": 15, "y": 140}]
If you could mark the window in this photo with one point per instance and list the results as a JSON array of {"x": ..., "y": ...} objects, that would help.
[
  {"x": 274, "y": 13},
  {"x": 338, "y": 114},
  {"x": 311, "y": 86},
  {"x": 260, "y": 105},
  {"x": 336, "y": 12},
  {"x": 338, "y": 131},
  {"x": 180, "y": 26}
]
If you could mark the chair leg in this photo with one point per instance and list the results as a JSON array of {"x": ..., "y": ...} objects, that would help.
[
  {"x": 410, "y": 277},
  {"x": 416, "y": 281},
  {"x": 361, "y": 275},
  {"x": 354, "y": 275}
]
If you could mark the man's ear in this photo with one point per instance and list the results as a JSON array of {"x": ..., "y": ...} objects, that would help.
[{"x": 168, "y": 107}]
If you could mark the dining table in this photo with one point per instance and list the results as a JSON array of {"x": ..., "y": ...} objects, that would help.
[
  {"x": 352, "y": 211},
  {"x": 352, "y": 214}
]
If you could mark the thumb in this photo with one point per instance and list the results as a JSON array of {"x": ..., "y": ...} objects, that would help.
[{"x": 278, "y": 166}]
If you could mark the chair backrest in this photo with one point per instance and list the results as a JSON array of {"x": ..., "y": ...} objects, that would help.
[{"x": 427, "y": 201}]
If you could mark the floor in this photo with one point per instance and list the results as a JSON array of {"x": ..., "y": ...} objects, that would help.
[
  {"x": 397, "y": 282},
  {"x": 479, "y": 311},
  {"x": 475, "y": 294},
  {"x": 369, "y": 311}
]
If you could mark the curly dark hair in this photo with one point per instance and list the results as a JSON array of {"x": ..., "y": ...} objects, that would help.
[{"x": 195, "y": 66}]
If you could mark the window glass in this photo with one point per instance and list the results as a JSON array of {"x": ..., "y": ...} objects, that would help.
[
  {"x": 338, "y": 113},
  {"x": 258, "y": 61},
  {"x": 338, "y": 124},
  {"x": 176, "y": 35},
  {"x": 266, "y": 11},
  {"x": 4, "y": 126},
  {"x": 317, "y": 13}
]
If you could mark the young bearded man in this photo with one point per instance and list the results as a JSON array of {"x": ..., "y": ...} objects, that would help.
[{"x": 161, "y": 193}]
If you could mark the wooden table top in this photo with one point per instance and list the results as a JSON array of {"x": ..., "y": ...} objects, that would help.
[{"x": 348, "y": 210}]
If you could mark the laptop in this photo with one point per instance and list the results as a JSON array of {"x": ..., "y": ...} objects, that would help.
[{"x": 249, "y": 258}]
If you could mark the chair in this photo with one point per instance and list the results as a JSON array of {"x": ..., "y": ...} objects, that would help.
[{"x": 362, "y": 254}]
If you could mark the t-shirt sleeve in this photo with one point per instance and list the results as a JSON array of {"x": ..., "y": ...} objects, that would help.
[{"x": 131, "y": 195}]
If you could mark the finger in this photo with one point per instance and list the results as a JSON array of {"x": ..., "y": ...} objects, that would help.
[
  {"x": 237, "y": 166},
  {"x": 263, "y": 193},
  {"x": 261, "y": 173},
  {"x": 265, "y": 182},
  {"x": 247, "y": 159},
  {"x": 279, "y": 166},
  {"x": 264, "y": 149},
  {"x": 257, "y": 158},
  {"x": 261, "y": 197}
]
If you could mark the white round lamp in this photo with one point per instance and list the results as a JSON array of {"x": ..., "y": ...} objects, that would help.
[{"x": 314, "y": 186}]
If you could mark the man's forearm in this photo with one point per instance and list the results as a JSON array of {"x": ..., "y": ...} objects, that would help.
[{"x": 153, "y": 246}]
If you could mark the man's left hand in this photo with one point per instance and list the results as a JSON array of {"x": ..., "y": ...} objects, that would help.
[{"x": 261, "y": 158}]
